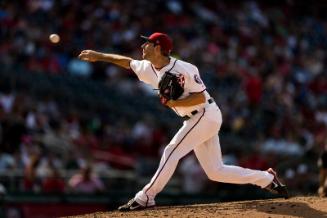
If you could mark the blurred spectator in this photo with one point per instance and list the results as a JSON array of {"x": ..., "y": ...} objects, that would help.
[
  {"x": 56, "y": 140},
  {"x": 29, "y": 148},
  {"x": 79, "y": 68},
  {"x": 322, "y": 164},
  {"x": 31, "y": 181},
  {"x": 53, "y": 182},
  {"x": 253, "y": 88},
  {"x": 7, "y": 161},
  {"x": 85, "y": 182},
  {"x": 2, "y": 197},
  {"x": 254, "y": 160},
  {"x": 279, "y": 145},
  {"x": 2, "y": 191},
  {"x": 7, "y": 99}
]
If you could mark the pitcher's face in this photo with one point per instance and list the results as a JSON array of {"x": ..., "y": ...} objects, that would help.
[{"x": 150, "y": 51}]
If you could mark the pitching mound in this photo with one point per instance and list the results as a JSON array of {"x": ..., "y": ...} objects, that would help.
[{"x": 308, "y": 207}]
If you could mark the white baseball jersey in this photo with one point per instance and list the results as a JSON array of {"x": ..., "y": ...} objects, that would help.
[
  {"x": 198, "y": 133},
  {"x": 187, "y": 73}
]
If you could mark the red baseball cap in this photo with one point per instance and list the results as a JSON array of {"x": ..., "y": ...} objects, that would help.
[{"x": 161, "y": 39}]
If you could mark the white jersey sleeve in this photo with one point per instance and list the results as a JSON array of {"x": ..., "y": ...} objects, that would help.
[{"x": 144, "y": 71}]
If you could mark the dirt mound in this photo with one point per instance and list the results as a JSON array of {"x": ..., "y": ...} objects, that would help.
[{"x": 308, "y": 207}]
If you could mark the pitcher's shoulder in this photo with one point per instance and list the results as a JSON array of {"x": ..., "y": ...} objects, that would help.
[{"x": 186, "y": 65}]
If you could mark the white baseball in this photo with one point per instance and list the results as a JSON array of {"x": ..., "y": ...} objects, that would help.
[{"x": 54, "y": 38}]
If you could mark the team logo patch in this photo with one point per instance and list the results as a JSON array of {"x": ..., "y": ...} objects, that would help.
[
  {"x": 181, "y": 80},
  {"x": 197, "y": 79}
]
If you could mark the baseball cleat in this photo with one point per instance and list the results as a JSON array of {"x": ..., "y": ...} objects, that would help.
[
  {"x": 276, "y": 187},
  {"x": 132, "y": 205}
]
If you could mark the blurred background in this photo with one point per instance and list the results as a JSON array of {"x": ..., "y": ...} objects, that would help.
[{"x": 78, "y": 137}]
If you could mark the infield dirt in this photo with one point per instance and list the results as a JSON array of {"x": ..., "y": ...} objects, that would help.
[{"x": 307, "y": 207}]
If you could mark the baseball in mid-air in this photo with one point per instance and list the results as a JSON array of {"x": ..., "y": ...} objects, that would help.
[{"x": 54, "y": 38}]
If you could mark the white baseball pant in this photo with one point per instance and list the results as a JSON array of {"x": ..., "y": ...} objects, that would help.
[{"x": 200, "y": 133}]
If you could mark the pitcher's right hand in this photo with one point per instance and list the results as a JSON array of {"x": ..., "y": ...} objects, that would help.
[{"x": 89, "y": 55}]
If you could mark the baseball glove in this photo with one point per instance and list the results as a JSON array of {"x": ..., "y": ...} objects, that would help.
[{"x": 170, "y": 87}]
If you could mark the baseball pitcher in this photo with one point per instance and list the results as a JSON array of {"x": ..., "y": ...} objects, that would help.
[{"x": 181, "y": 89}]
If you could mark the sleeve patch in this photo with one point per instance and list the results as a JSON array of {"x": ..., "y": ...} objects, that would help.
[{"x": 197, "y": 79}]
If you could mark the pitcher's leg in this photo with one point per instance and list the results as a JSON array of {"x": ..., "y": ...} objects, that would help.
[
  {"x": 190, "y": 135},
  {"x": 161, "y": 177},
  {"x": 210, "y": 158}
]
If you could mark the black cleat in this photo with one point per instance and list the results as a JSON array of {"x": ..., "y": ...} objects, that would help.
[
  {"x": 276, "y": 187},
  {"x": 132, "y": 205}
]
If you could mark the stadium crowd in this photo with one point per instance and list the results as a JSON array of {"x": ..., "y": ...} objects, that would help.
[{"x": 264, "y": 63}]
